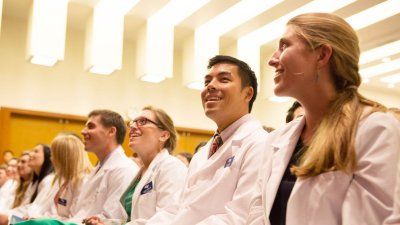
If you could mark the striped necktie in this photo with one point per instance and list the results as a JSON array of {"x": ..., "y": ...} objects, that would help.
[{"x": 217, "y": 142}]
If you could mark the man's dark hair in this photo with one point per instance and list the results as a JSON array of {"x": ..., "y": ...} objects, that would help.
[
  {"x": 247, "y": 76},
  {"x": 109, "y": 119},
  {"x": 290, "y": 112}
]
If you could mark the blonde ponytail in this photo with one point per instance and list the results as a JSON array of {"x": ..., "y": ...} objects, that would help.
[{"x": 333, "y": 144}]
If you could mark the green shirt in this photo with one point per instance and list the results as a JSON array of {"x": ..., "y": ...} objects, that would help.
[{"x": 127, "y": 201}]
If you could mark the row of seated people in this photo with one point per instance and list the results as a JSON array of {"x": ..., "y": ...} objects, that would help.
[{"x": 335, "y": 165}]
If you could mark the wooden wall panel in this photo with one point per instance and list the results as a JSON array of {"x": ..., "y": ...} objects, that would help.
[{"x": 23, "y": 129}]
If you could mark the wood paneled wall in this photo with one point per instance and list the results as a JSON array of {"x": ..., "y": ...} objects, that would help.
[{"x": 21, "y": 130}]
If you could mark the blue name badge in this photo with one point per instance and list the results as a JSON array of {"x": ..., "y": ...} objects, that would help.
[
  {"x": 146, "y": 188},
  {"x": 62, "y": 201},
  {"x": 229, "y": 161}
]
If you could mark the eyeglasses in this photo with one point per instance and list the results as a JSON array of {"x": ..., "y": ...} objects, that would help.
[{"x": 141, "y": 121}]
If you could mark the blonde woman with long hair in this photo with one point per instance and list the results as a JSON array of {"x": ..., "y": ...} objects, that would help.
[
  {"x": 336, "y": 164},
  {"x": 24, "y": 189},
  {"x": 72, "y": 167}
]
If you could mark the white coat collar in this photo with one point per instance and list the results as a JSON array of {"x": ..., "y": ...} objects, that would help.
[
  {"x": 146, "y": 177},
  {"x": 112, "y": 159},
  {"x": 283, "y": 144}
]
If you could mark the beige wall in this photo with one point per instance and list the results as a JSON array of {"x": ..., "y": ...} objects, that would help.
[{"x": 67, "y": 88}]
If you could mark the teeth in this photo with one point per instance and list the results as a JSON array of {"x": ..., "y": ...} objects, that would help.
[{"x": 213, "y": 99}]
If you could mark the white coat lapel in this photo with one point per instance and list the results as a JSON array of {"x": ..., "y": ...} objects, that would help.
[
  {"x": 148, "y": 177},
  {"x": 282, "y": 147}
]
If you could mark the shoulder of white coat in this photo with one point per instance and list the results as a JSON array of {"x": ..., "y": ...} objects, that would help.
[
  {"x": 379, "y": 119},
  {"x": 170, "y": 165},
  {"x": 121, "y": 161},
  {"x": 377, "y": 125}
]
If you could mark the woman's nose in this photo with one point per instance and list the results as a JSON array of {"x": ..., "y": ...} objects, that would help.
[{"x": 273, "y": 61}]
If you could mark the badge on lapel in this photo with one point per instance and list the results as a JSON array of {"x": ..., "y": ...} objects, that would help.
[
  {"x": 146, "y": 188},
  {"x": 229, "y": 161},
  {"x": 62, "y": 201}
]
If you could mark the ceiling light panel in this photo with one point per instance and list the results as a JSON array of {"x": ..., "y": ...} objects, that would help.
[
  {"x": 207, "y": 36},
  {"x": 380, "y": 52},
  {"x": 380, "y": 69},
  {"x": 105, "y": 35},
  {"x": 160, "y": 51},
  {"x": 374, "y": 14},
  {"x": 46, "y": 31},
  {"x": 393, "y": 79}
]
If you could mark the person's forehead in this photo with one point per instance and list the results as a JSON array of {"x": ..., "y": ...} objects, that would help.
[
  {"x": 223, "y": 67},
  {"x": 146, "y": 114}
]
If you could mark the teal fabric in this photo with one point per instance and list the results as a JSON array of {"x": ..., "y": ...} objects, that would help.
[
  {"x": 45, "y": 221},
  {"x": 127, "y": 202}
]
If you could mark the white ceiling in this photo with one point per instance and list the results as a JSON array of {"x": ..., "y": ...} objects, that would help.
[{"x": 372, "y": 36}]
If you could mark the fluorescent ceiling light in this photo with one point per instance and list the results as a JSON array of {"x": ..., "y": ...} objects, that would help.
[
  {"x": 120, "y": 6},
  {"x": 196, "y": 85},
  {"x": 279, "y": 99},
  {"x": 374, "y": 14},
  {"x": 101, "y": 70},
  {"x": 44, "y": 61},
  {"x": 175, "y": 11},
  {"x": 105, "y": 36},
  {"x": 380, "y": 69},
  {"x": 393, "y": 79},
  {"x": 46, "y": 32},
  {"x": 207, "y": 36},
  {"x": 275, "y": 29},
  {"x": 236, "y": 15},
  {"x": 380, "y": 52},
  {"x": 160, "y": 51},
  {"x": 153, "y": 78},
  {"x": 391, "y": 85}
]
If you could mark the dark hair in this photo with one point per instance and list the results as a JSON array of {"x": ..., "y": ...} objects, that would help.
[
  {"x": 187, "y": 155},
  {"x": 247, "y": 76},
  {"x": 201, "y": 144},
  {"x": 109, "y": 119},
  {"x": 46, "y": 169},
  {"x": 290, "y": 112}
]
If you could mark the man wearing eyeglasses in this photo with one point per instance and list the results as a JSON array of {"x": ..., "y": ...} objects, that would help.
[
  {"x": 221, "y": 175},
  {"x": 103, "y": 135}
]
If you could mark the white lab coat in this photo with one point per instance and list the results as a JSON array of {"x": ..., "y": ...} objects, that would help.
[
  {"x": 218, "y": 189},
  {"x": 101, "y": 193},
  {"x": 167, "y": 175},
  {"x": 333, "y": 198},
  {"x": 395, "y": 217},
  {"x": 45, "y": 194},
  {"x": 7, "y": 194},
  {"x": 69, "y": 198}
]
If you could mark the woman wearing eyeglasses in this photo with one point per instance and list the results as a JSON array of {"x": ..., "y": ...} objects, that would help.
[{"x": 159, "y": 182}]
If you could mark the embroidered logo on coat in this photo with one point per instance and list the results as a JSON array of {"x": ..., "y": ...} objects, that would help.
[
  {"x": 146, "y": 188},
  {"x": 229, "y": 161},
  {"x": 62, "y": 201}
]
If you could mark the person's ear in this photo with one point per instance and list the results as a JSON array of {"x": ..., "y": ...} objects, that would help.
[
  {"x": 164, "y": 136},
  {"x": 324, "y": 55},
  {"x": 112, "y": 131},
  {"x": 249, "y": 91}
]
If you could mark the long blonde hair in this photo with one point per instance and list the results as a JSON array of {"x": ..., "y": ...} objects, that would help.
[
  {"x": 69, "y": 158},
  {"x": 333, "y": 144},
  {"x": 23, "y": 185}
]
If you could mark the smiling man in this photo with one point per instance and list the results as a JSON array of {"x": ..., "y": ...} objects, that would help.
[
  {"x": 221, "y": 175},
  {"x": 103, "y": 135}
]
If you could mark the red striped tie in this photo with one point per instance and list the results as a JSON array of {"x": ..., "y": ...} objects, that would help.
[{"x": 217, "y": 142}]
